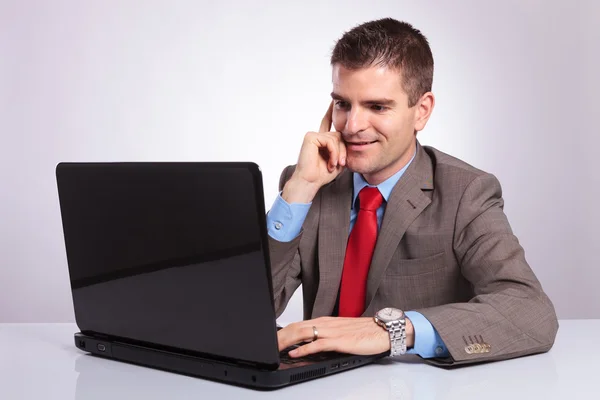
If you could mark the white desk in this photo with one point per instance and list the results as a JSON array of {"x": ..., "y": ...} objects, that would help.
[{"x": 39, "y": 361}]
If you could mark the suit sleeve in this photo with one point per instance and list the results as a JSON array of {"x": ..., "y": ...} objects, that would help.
[
  {"x": 509, "y": 315},
  {"x": 285, "y": 260}
]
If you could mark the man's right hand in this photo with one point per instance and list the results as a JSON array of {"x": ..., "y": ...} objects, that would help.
[{"x": 322, "y": 158}]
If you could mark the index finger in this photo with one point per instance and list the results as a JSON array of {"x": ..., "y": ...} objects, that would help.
[{"x": 327, "y": 119}]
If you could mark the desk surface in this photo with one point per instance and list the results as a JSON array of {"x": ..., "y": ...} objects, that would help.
[{"x": 39, "y": 361}]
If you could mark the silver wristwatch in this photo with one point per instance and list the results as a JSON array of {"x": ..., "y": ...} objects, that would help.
[{"x": 393, "y": 321}]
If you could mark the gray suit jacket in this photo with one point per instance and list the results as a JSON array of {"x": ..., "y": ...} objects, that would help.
[{"x": 445, "y": 249}]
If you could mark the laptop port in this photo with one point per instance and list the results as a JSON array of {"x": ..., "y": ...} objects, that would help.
[
  {"x": 81, "y": 344},
  {"x": 345, "y": 364},
  {"x": 101, "y": 347},
  {"x": 335, "y": 366}
]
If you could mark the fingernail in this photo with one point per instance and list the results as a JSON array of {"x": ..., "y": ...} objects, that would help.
[
  {"x": 293, "y": 352},
  {"x": 343, "y": 162}
]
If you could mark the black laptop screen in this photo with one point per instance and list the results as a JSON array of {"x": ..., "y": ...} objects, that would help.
[{"x": 170, "y": 253}]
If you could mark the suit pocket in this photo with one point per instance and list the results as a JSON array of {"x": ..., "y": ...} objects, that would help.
[{"x": 416, "y": 266}]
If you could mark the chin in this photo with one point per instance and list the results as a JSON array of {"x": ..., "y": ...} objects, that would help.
[{"x": 359, "y": 166}]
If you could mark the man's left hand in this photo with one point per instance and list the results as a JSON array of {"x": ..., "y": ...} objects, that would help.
[{"x": 360, "y": 336}]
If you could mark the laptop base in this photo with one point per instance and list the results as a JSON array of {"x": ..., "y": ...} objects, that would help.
[{"x": 231, "y": 373}]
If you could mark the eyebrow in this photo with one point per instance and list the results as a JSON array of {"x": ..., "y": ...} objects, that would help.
[{"x": 382, "y": 101}]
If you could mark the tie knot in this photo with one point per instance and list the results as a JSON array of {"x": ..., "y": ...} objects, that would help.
[{"x": 370, "y": 198}]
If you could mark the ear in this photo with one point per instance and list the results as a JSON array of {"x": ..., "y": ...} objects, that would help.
[{"x": 423, "y": 110}]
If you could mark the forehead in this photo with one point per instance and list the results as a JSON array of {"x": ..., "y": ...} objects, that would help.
[{"x": 374, "y": 81}]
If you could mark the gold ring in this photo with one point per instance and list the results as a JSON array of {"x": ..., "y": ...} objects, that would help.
[{"x": 315, "y": 333}]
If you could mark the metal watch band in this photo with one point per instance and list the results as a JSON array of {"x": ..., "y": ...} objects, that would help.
[{"x": 397, "y": 331}]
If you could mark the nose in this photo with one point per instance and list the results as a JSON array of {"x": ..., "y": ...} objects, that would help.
[{"x": 357, "y": 121}]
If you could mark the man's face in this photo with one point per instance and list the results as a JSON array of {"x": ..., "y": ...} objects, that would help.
[{"x": 371, "y": 111}]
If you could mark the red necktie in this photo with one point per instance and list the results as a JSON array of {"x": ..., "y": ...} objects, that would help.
[{"x": 359, "y": 252}]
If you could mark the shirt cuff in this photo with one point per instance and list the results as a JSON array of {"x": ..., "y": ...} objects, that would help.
[
  {"x": 428, "y": 343},
  {"x": 284, "y": 220}
]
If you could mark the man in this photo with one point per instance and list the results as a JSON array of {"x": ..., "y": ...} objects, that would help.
[{"x": 399, "y": 247}]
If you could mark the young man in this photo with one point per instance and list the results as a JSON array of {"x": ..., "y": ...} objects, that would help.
[{"x": 398, "y": 246}]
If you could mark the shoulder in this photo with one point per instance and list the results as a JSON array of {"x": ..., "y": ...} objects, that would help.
[
  {"x": 446, "y": 162},
  {"x": 450, "y": 171}
]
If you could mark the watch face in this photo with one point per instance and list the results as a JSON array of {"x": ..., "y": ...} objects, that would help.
[{"x": 390, "y": 314}]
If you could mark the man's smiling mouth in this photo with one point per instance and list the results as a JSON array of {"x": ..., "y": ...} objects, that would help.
[{"x": 358, "y": 145}]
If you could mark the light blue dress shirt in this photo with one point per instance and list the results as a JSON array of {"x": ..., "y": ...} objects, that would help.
[{"x": 284, "y": 223}]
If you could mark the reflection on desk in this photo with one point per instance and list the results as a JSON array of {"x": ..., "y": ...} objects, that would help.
[
  {"x": 43, "y": 363},
  {"x": 388, "y": 379}
]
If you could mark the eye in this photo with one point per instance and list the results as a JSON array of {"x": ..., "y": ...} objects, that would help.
[
  {"x": 377, "y": 107},
  {"x": 341, "y": 104}
]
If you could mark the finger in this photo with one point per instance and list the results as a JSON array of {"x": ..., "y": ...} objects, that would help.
[
  {"x": 302, "y": 331},
  {"x": 334, "y": 151},
  {"x": 342, "y": 152},
  {"x": 333, "y": 148},
  {"x": 327, "y": 119},
  {"x": 293, "y": 334},
  {"x": 314, "y": 347}
]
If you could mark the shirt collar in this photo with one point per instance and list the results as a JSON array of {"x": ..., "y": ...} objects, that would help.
[{"x": 385, "y": 187}]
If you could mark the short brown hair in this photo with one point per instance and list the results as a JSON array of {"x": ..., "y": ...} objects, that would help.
[{"x": 390, "y": 43}]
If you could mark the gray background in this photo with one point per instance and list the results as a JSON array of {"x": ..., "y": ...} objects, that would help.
[{"x": 233, "y": 80}]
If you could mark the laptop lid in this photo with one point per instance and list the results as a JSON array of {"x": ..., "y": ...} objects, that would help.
[{"x": 172, "y": 254}]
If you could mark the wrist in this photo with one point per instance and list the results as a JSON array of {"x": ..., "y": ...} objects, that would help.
[
  {"x": 410, "y": 334},
  {"x": 297, "y": 190},
  {"x": 397, "y": 325}
]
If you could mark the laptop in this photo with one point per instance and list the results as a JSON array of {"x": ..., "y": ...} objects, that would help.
[{"x": 169, "y": 269}]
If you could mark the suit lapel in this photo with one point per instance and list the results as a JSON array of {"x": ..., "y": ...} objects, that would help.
[
  {"x": 334, "y": 224},
  {"x": 406, "y": 202}
]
